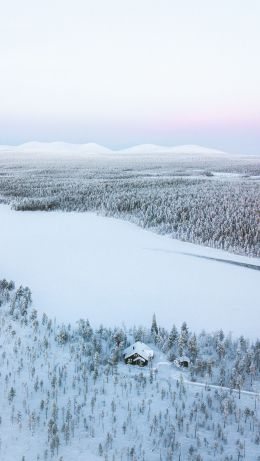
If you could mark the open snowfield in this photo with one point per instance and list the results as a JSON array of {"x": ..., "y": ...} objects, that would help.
[{"x": 80, "y": 265}]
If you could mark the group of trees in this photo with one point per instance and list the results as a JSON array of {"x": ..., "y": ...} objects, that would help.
[
  {"x": 215, "y": 358},
  {"x": 68, "y": 388},
  {"x": 200, "y": 208}
]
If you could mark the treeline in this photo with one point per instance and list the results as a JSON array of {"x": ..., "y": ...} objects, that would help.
[
  {"x": 209, "y": 211},
  {"x": 223, "y": 360}
]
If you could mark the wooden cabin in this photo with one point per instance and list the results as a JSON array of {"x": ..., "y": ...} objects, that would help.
[{"x": 138, "y": 354}]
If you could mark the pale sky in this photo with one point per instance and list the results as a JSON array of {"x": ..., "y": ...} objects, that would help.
[{"x": 122, "y": 72}]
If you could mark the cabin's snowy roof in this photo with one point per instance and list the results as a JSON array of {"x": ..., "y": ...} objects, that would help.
[{"x": 140, "y": 348}]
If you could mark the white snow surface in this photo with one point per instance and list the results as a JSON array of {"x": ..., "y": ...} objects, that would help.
[
  {"x": 93, "y": 148},
  {"x": 80, "y": 265}
]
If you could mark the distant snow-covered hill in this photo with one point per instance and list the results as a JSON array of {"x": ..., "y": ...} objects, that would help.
[
  {"x": 55, "y": 147},
  {"x": 93, "y": 148},
  {"x": 183, "y": 149}
]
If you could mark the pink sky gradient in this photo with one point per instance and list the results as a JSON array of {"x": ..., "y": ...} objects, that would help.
[{"x": 120, "y": 73}]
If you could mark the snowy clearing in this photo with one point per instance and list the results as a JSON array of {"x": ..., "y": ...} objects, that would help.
[{"x": 110, "y": 271}]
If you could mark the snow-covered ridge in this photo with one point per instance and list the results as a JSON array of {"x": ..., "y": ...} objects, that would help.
[
  {"x": 56, "y": 147},
  {"x": 183, "y": 149},
  {"x": 93, "y": 148}
]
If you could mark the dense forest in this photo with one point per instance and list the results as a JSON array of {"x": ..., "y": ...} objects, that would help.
[
  {"x": 67, "y": 387},
  {"x": 218, "y": 207}
]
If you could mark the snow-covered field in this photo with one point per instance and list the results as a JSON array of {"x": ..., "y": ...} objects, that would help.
[{"x": 80, "y": 265}]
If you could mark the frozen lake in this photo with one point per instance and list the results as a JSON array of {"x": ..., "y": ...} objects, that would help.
[{"x": 79, "y": 265}]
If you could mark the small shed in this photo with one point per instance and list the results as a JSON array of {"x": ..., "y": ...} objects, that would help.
[
  {"x": 138, "y": 354},
  {"x": 182, "y": 362}
]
